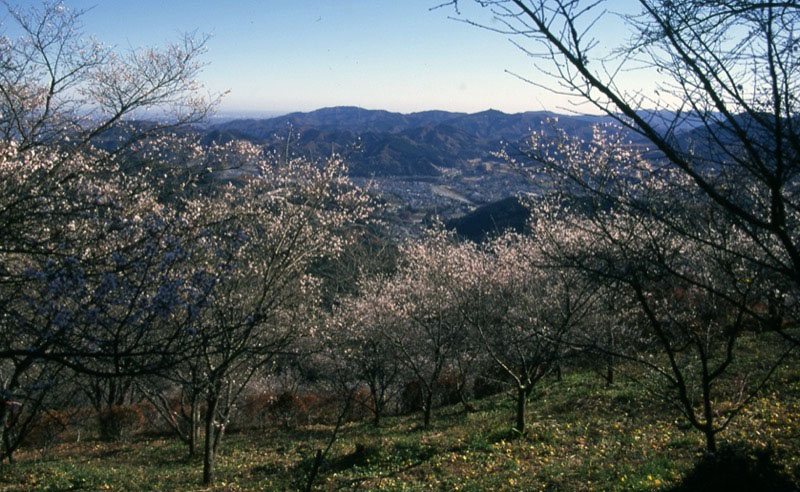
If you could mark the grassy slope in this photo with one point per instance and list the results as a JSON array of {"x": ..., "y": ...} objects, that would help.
[{"x": 581, "y": 437}]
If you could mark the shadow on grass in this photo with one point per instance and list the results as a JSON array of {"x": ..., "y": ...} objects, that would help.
[
  {"x": 369, "y": 459},
  {"x": 367, "y": 455},
  {"x": 737, "y": 468}
]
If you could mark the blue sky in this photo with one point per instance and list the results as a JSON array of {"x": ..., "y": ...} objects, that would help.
[{"x": 287, "y": 55}]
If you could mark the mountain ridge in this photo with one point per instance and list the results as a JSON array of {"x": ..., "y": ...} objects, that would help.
[
  {"x": 384, "y": 143},
  {"x": 423, "y": 164}
]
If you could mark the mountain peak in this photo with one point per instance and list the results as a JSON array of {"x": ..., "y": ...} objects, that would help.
[{"x": 490, "y": 112}]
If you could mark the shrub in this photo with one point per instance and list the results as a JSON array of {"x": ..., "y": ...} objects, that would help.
[
  {"x": 447, "y": 388},
  {"x": 48, "y": 430},
  {"x": 411, "y": 397},
  {"x": 289, "y": 410},
  {"x": 120, "y": 422},
  {"x": 255, "y": 410},
  {"x": 484, "y": 387}
]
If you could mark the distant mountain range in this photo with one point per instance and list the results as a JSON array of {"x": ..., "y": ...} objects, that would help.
[
  {"x": 382, "y": 143},
  {"x": 431, "y": 163}
]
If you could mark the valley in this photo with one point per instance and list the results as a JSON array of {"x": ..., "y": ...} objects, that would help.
[{"x": 432, "y": 164}]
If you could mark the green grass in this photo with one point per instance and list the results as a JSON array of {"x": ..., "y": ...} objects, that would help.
[{"x": 580, "y": 437}]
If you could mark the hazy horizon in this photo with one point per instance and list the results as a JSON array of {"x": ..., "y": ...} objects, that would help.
[{"x": 265, "y": 114}]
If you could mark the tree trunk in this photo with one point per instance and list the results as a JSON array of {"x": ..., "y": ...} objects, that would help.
[
  {"x": 610, "y": 360},
  {"x": 711, "y": 439},
  {"x": 209, "y": 454},
  {"x": 377, "y": 405},
  {"x": 11, "y": 442},
  {"x": 427, "y": 409},
  {"x": 708, "y": 406},
  {"x": 5, "y": 449},
  {"x": 522, "y": 400},
  {"x": 468, "y": 408},
  {"x": 193, "y": 427},
  {"x": 314, "y": 471},
  {"x": 111, "y": 428}
]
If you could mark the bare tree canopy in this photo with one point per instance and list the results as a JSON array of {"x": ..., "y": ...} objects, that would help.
[
  {"x": 726, "y": 69},
  {"x": 691, "y": 212},
  {"x": 57, "y": 85}
]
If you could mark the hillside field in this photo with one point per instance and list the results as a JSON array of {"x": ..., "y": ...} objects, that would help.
[{"x": 581, "y": 437}]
